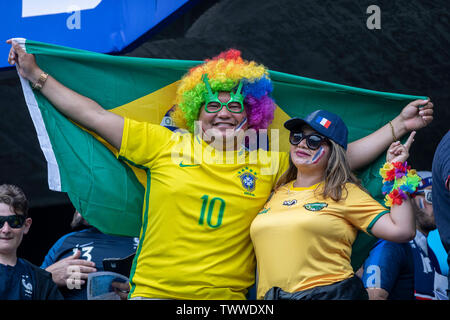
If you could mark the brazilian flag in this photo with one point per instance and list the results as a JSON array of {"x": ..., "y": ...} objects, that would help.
[{"x": 109, "y": 193}]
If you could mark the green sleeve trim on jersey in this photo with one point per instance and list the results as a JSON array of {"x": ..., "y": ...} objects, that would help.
[
  {"x": 369, "y": 228},
  {"x": 132, "y": 163},
  {"x": 142, "y": 236}
]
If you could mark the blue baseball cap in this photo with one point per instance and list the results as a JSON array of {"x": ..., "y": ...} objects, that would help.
[
  {"x": 324, "y": 122},
  {"x": 427, "y": 179}
]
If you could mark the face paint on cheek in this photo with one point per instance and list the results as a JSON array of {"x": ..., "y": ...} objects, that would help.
[
  {"x": 421, "y": 204},
  {"x": 244, "y": 121},
  {"x": 317, "y": 156}
]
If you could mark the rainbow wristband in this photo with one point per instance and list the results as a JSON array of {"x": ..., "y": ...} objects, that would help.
[{"x": 399, "y": 181}]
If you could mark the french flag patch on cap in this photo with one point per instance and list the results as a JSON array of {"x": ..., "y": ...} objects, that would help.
[{"x": 323, "y": 121}]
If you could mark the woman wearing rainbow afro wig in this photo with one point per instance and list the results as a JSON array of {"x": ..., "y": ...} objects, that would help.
[
  {"x": 195, "y": 241},
  {"x": 225, "y": 72}
]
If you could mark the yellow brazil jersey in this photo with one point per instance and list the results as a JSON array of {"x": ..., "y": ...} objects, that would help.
[
  {"x": 195, "y": 240},
  {"x": 302, "y": 240}
]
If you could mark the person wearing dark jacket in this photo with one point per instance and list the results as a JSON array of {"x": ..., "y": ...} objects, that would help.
[
  {"x": 19, "y": 278},
  {"x": 441, "y": 193}
]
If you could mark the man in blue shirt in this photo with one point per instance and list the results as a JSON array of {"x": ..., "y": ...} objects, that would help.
[
  {"x": 404, "y": 271},
  {"x": 79, "y": 253},
  {"x": 441, "y": 193},
  {"x": 19, "y": 279}
]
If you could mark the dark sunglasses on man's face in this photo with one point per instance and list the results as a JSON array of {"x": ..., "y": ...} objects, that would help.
[
  {"x": 14, "y": 221},
  {"x": 313, "y": 141}
]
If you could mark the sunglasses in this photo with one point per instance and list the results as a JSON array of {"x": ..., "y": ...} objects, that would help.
[
  {"x": 14, "y": 221},
  {"x": 428, "y": 195},
  {"x": 313, "y": 141}
]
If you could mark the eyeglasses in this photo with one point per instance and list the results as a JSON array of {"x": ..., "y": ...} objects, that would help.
[
  {"x": 14, "y": 221},
  {"x": 427, "y": 193},
  {"x": 313, "y": 141},
  {"x": 232, "y": 106}
]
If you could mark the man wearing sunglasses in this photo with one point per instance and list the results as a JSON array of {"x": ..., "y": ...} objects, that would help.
[
  {"x": 406, "y": 271},
  {"x": 19, "y": 279}
]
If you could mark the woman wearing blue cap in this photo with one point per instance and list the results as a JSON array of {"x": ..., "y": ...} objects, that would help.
[{"x": 303, "y": 236}]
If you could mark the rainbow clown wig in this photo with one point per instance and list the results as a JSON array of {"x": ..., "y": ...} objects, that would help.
[{"x": 224, "y": 73}]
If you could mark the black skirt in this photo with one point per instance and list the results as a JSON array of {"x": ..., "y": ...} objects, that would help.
[{"x": 348, "y": 289}]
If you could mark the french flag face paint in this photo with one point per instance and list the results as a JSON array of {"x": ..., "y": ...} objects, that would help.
[
  {"x": 324, "y": 122},
  {"x": 244, "y": 121},
  {"x": 421, "y": 204},
  {"x": 319, "y": 154}
]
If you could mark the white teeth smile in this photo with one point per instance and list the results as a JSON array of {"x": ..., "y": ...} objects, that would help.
[{"x": 223, "y": 124}]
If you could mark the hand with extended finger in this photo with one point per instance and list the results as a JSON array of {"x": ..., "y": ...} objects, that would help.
[
  {"x": 399, "y": 152},
  {"x": 399, "y": 180}
]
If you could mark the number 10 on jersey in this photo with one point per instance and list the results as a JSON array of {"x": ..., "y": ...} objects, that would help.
[{"x": 210, "y": 208}]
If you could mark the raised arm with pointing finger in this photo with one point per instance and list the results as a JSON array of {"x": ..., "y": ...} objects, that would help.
[{"x": 399, "y": 225}]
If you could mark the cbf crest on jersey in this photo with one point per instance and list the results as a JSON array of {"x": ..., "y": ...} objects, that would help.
[
  {"x": 316, "y": 206},
  {"x": 248, "y": 179}
]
